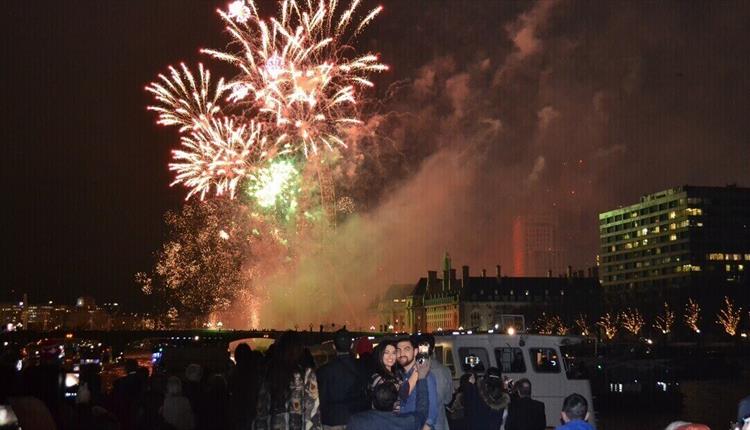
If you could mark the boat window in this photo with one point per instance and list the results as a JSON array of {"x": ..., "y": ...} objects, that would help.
[
  {"x": 439, "y": 354},
  {"x": 447, "y": 359},
  {"x": 473, "y": 359},
  {"x": 544, "y": 360},
  {"x": 510, "y": 360}
]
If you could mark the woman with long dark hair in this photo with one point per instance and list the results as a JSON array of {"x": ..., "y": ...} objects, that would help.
[
  {"x": 288, "y": 398},
  {"x": 387, "y": 369}
]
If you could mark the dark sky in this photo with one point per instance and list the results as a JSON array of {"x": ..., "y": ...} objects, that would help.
[{"x": 502, "y": 108}]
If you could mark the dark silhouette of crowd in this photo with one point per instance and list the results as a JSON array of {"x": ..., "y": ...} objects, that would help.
[{"x": 397, "y": 385}]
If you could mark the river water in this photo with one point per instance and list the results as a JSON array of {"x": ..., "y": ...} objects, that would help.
[{"x": 710, "y": 402}]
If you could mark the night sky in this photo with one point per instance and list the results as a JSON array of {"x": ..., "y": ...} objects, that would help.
[{"x": 495, "y": 109}]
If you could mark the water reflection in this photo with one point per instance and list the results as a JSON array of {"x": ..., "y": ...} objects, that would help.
[{"x": 712, "y": 402}]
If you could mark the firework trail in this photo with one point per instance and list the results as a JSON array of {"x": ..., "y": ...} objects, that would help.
[{"x": 299, "y": 82}]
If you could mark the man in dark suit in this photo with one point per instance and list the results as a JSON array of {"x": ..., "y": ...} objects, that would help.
[
  {"x": 341, "y": 385},
  {"x": 524, "y": 412}
]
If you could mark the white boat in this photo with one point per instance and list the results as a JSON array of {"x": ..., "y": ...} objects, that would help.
[{"x": 535, "y": 357}]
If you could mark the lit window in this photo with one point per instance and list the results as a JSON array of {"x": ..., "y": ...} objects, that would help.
[
  {"x": 672, "y": 237},
  {"x": 673, "y": 226},
  {"x": 645, "y": 241},
  {"x": 685, "y": 223},
  {"x": 694, "y": 211},
  {"x": 747, "y": 257},
  {"x": 740, "y": 267},
  {"x": 656, "y": 229},
  {"x": 728, "y": 268},
  {"x": 672, "y": 215},
  {"x": 644, "y": 232},
  {"x": 716, "y": 256},
  {"x": 633, "y": 214},
  {"x": 736, "y": 257}
]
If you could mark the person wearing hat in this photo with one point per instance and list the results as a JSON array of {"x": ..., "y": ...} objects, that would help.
[{"x": 342, "y": 385}]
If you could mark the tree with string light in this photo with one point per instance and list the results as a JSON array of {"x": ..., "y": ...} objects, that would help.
[
  {"x": 632, "y": 321},
  {"x": 729, "y": 317},
  {"x": 608, "y": 323},
  {"x": 665, "y": 320},
  {"x": 692, "y": 316}
]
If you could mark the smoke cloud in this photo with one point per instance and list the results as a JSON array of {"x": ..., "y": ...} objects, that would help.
[{"x": 502, "y": 110}]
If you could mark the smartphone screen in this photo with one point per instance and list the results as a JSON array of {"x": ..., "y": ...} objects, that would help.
[{"x": 71, "y": 380}]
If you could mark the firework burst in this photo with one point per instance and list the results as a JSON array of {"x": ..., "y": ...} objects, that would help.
[
  {"x": 295, "y": 71},
  {"x": 218, "y": 153},
  {"x": 299, "y": 81}
]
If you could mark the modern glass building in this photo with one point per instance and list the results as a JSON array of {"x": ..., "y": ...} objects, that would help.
[{"x": 688, "y": 241}]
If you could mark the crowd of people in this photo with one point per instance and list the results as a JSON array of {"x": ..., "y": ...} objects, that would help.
[{"x": 395, "y": 385}]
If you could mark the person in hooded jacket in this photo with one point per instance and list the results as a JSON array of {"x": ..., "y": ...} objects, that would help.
[{"x": 485, "y": 401}]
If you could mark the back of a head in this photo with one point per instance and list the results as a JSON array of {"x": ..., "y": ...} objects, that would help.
[
  {"x": 174, "y": 386},
  {"x": 342, "y": 340},
  {"x": 523, "y": 386},
  {"x": 194, "y": 373},
  {"x": 288, "y": 349},
  {"x": 243, "y": 355},
  {"x": 384, "y": 396},
  {"x": 493, "y": 376},
  {"x": 575, "y": 407}
]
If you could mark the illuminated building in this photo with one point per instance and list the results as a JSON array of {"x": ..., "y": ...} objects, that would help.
[
  {"x": 488, "y": 302},
  {"x": 684, "y": 242}
]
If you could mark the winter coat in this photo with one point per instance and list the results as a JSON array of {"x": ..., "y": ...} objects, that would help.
[
  {"x": 343, "y": 391},
  {"x": 525, "y": 413},
  {"x": 482, "y": 410}
]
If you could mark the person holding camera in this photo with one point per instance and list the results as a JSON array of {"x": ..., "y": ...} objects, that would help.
[
  {"x": 385, "y": 395},
  {"x": 485, "y": 400},
  {"x": 408, "y": 356}
]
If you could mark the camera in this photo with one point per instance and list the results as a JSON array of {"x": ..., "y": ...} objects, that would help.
[{"x": 423, "y": 352}]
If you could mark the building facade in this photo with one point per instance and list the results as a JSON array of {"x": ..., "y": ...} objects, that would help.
[
  {"x": 683, "y": 242},
  {"x": 489, "y": 302}
]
